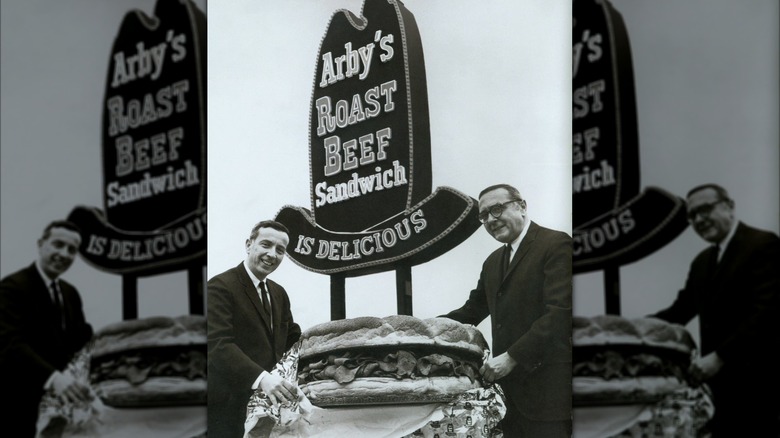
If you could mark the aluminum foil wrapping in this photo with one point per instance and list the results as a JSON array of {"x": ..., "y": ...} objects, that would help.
[
  {"x": 58, "y": 417},
  {"x": 474, "y": 413}
]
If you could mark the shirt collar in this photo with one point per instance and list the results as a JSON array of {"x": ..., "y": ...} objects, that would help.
[
  {"x": 43, "y": 275},
  {"x": 47, "y": 281},
  {"x": 726, "y": 240},
  {"x": 256, "y": 281},
  {"x": 516, "y": 243}
]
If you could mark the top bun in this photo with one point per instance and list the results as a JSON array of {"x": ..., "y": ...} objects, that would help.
[
  {"x": 391, "y": 331},
  {"x": 617, "y": 330},
  {"x": 156, "y": 331}
]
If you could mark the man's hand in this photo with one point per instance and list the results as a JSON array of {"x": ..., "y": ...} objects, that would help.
[
  {"x": 278, "y": 389},
  {"x": 497, "y": 367},
  {"x": 704, "y": 368},
  {"x": 66, "y": 385}
]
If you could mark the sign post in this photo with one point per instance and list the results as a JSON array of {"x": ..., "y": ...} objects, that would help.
[
  {"x": 403, "y": 288},
  {"x": 196, "y": 286},
  {"x": 338, "y": 299},
  {"x": 129, "y": 296}
]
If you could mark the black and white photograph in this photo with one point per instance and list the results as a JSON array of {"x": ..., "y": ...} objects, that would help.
[
  {"x": 102, "y": 309},
  {"x": 699, "y": 176},
  {"x": 385, "y": 218},
  {"x": 445, "y": 99}
]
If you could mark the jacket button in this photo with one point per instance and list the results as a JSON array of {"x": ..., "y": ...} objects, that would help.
[{"x": 498, "y": 326}]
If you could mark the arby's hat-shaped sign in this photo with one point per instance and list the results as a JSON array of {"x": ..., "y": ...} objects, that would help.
[
  {"x": 614, "y": 222},
  {"x": 154, "y": 146},
  {"x": 370, "y": 153}
]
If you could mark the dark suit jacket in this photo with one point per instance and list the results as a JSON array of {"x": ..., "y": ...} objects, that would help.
[
  {"x": 531, "y": 314},
  {"x": 241, "y": 345},
  {"x": 737, "y": 304},
  {"x": 32, "y": 344}
]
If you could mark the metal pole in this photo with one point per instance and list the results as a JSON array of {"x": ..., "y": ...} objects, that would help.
[
  {"x": 403, "y": 289},
  {"x": 338, "y": 307},
  {"x": 129, "y": 297},
  {"x": 195, "y": 285},
  {"x": 612, "y": 290}
]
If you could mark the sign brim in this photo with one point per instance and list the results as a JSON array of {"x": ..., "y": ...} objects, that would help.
[
  {"x": 632, "y": 231},
  {"x": 437, "y": 224}
]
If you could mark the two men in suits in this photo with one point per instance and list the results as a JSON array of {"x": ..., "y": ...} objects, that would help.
[
  {"x": 733, "y": 286},
  {"x": 42, "y": 326},
  {"x": 528, "y": 295},
  {"x": 250, "y": 326}
]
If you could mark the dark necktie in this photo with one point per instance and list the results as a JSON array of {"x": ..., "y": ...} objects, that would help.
[
  {"x": 505, "y": 260},
  {"x": 714, "y": 259},
  {"x": 59, "y": 318},
  {"x": 266, "y": 300}
]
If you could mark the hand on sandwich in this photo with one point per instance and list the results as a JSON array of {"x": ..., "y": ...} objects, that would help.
[
  {"x": 497, "y": 367},
  {"x": 705, "y": 367},
  {"x": 65, "y": 385},
  {"x": 278, "y": 390}
]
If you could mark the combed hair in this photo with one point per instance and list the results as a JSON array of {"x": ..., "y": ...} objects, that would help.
[
  {"x": 513, "y": 192},
  {"x": 722, "y": 193},
  {"x": 268, "y": 224},
  {"x": 68, "y": 225}
]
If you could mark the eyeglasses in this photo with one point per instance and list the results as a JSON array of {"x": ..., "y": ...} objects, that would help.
[
  {"x": 495, "y": 210},
  {"x": 705, "y": 210}
]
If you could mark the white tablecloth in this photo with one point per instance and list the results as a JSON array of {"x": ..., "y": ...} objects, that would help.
[
  {"x": 169, "y": 422},
  {"x": 680, "y": 414}
]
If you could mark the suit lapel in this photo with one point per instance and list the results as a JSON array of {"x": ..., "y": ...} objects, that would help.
[
  {"x": 522, "y": 250},
  {"x": 731, "y": 253},
  {"x": 713, "y": 266},
  {"x": 251, "y": 292},
  {"x": 45, "y": 297}
]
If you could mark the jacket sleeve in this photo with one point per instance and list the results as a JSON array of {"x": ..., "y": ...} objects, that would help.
[
  {"x": 475, "y": 310},
  {"x": 684, "y": 308},
  {"x": 293, "y": 335},
  {"x": 293, "y": 329}
]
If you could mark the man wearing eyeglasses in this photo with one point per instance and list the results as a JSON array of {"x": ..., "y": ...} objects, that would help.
[
  {"x": 525, "y": 286},
  {"x": 732, "y": 287}
]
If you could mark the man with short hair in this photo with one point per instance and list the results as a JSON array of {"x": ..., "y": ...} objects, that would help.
[
  {"x": 42, "y": 326},
  {"x": 525, "y": 286},
  {"x": 732, "y": 287},
  {"x": 250, "y": 326}
]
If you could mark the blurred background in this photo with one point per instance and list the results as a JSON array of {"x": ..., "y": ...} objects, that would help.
[
  {"x": 54, "y": 59},
  {"x": 706, "y": 78}
]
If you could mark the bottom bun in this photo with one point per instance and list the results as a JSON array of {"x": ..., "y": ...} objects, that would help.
[
  {"x": 387, "y": 390},
  {"x": 155, "y": 391},
  {"x": 631, "y": 390}
]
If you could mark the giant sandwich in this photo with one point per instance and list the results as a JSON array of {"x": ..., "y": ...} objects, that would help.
[
  {"x": 392, "y": 360},
  {"x": 625, "y": 361},
  {"x": 157, "y": 361}
]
